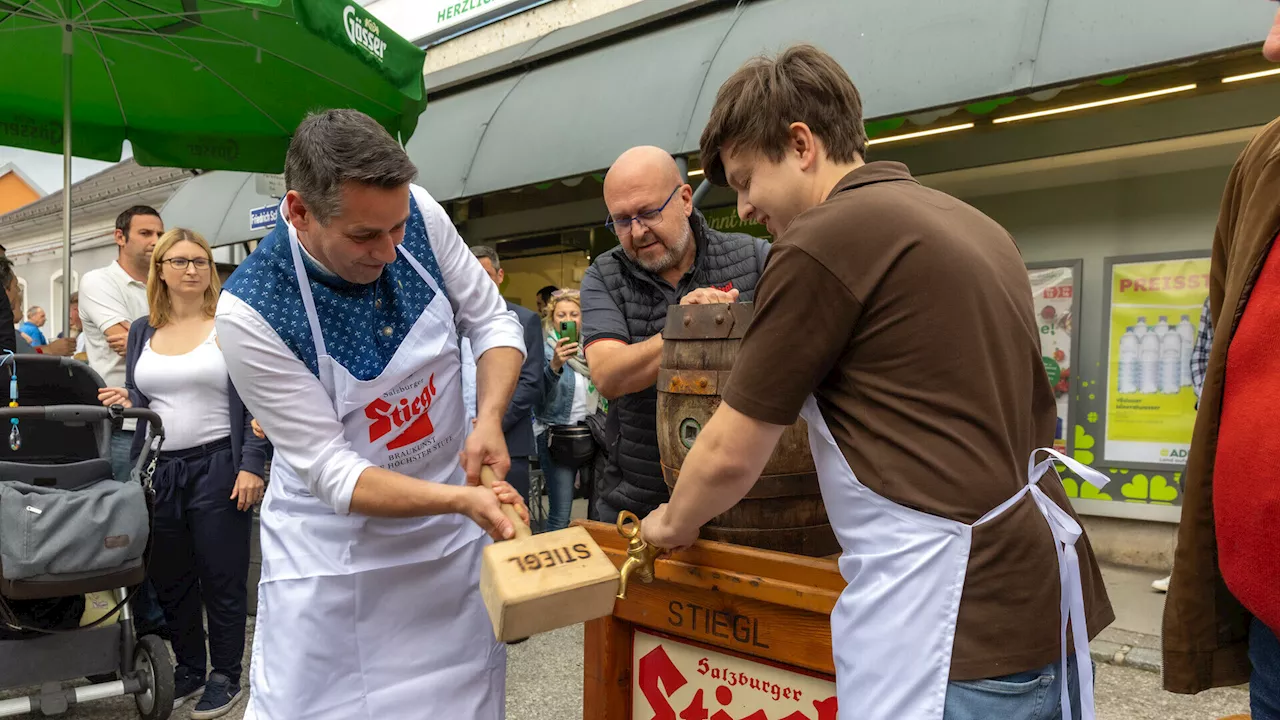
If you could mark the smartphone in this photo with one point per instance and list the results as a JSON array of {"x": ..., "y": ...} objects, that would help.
[{"x": 569, "y": 329}]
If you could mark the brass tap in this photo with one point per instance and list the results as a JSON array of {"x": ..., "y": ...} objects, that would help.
[{"x": 640, "y": 554}]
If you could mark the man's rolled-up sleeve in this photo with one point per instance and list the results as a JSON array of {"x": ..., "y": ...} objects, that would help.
[
  {"x": 602, "y": 319},
  {"x": 101, "y": 304},
  {"x": 478, "y": 308},
  {"x": 288, "y": 401}
]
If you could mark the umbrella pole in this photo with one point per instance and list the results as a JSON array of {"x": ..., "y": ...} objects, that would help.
[{"x": 66, "y": 179}]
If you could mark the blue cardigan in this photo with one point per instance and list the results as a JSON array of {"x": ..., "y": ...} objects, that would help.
[{"x": 248, "y": 452}]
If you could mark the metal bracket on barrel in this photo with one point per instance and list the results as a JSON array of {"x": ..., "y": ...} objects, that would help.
[{"x": 702, "y": 322}]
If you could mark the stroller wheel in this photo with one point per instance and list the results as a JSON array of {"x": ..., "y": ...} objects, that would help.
[{"x": 151, "y": 663}]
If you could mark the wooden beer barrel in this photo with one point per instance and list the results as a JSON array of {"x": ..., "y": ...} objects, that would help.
[{"x": 784, "y": 511}]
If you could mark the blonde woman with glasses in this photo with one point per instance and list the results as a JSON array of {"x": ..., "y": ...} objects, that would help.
[
  {"x": 209, "y": 475},
  {"x": 569, "y": 397}
]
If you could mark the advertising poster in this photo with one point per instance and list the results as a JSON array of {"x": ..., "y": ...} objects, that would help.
[
  {"x": 1054, "y": 293},
  {"x": 1154, "y": 320},
  {"x": 673, "y": 679}
]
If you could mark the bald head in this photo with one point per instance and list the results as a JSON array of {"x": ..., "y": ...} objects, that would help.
[
  {"x": 641, "y": 182},
  {"x": 641, "y": 179},
  {"x": 643, "y": 164}
]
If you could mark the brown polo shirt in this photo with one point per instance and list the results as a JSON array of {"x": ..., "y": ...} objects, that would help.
[{"x": 908, "y": 315}]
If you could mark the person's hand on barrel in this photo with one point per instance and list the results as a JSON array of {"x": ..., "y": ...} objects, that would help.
[
  {"x": 565, "y": 350},
  {"x": 710, "y": 296},
  {"x": 658, "y": 530}
]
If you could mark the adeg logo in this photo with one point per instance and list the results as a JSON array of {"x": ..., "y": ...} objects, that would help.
[{"x": 409, "y": 415}]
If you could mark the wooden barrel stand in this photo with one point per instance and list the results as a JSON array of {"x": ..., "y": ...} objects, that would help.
[{"x": 723, "y": 631}]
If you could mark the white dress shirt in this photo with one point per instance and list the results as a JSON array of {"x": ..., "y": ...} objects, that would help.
[{"x": 293, "y": 406}]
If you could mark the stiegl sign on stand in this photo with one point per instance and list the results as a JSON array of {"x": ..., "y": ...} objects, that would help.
[{"x": 675, "y": 679}]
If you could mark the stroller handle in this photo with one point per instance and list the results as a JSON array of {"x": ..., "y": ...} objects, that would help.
[{"x": 79, "y": 414}]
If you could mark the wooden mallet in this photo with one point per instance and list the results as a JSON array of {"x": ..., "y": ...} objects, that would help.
[{"x": 535, "y": 583}]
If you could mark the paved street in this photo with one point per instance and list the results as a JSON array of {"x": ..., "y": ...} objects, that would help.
[
  {"x": 544, "y": 676},
  {"x": 544, "y": 682}
]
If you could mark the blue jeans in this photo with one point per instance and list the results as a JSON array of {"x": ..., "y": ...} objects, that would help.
[
  {"x": 1264, "y": 684},
  {"x": 559, "y": 481},
  {"x": 148, "y": 617},
  {"x": 1033, "y": 695}
]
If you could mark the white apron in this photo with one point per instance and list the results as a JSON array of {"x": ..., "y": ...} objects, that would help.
[
  {"x": 362, "y": 617},
  {"x": 893, "y": 627}
]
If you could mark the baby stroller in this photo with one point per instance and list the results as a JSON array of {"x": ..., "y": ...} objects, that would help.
[{"x": 67, "y": 529}]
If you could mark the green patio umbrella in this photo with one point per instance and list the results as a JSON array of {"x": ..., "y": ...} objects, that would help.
[{"x": 207, "y": 84}]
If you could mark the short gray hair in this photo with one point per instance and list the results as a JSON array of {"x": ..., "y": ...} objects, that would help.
[
  {"x": 31, "y": 312},
  {"x": 337, "y": 146},
  {"x": 484, "y": 251}
]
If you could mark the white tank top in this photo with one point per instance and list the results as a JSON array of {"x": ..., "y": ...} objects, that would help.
[{"x": 189, "y": 392}]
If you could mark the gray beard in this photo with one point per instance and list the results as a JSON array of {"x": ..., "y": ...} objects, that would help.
[{"x": 671, "y": 257}]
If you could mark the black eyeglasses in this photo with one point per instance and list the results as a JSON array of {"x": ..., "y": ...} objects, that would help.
[
  {"x": 622, "y": 226},
  {"x": 180, "y": 263}
]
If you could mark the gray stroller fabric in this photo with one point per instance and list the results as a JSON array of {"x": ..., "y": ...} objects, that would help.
[{"x": 50, "y": 532}]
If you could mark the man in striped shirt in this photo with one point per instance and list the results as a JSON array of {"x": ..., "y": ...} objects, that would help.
[{"x": 1199, "y": 365}]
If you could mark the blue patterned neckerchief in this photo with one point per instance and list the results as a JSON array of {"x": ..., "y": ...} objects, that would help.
[{"x": 363, "y": 325}]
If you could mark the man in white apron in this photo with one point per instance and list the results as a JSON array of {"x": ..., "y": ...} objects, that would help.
[
  {"x": 898, "y": 322},
  {"x": 341, "y": 334}
]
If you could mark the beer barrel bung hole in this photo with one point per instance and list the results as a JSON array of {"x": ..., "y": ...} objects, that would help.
[{"x": 689, "y": 429}]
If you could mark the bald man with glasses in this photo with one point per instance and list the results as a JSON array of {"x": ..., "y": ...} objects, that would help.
[{"x": 667, "y": 255}]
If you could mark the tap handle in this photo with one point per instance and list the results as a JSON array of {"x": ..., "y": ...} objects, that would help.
[{"x": 629, "y": 526}]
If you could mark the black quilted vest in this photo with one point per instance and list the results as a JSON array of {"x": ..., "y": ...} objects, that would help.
[{"x": 634, "y": 482}]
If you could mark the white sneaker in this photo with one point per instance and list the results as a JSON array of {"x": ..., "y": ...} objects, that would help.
[{"x": 1161, "y": 585}]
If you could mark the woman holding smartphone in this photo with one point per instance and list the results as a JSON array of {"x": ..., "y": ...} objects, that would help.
[
  {"x": 208, "y": 476},
  {"x": 569, "y": 397}
]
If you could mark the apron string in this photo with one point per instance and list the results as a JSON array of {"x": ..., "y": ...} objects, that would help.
[
  {"x": 308, "y": 300},
  {"x": 1066, "y": 531},
  {"x": 1086, "y": 473}
]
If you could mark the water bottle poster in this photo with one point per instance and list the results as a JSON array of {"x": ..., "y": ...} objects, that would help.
[
  {"x": 1053, "y": 289},
  {"x": 1155, "y": 315}
]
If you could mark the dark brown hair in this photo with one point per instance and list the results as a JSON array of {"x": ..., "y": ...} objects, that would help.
[
  {"x": 124, "y": 221},
  {"x": 332, "y": 147},
  {"x": 755, "y": 107}
]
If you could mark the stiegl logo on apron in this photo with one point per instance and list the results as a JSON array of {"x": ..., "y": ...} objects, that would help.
[{"x": 411, "y": 410}]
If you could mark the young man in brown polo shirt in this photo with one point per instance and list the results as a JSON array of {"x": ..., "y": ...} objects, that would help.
[{"x": 898, "y": 322}]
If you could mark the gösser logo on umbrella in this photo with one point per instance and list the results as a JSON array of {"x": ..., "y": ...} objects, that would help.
[
  {"x": 203, "y": 84},
  {"x": 363, "y": 33}
]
